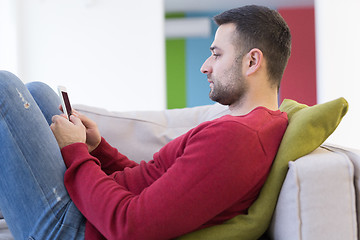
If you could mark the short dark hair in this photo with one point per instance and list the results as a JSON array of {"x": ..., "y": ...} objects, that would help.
[{"x": 265, "y": 29}]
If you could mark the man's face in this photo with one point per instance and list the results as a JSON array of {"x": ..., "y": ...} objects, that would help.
[{"x": 223, "y": 68}]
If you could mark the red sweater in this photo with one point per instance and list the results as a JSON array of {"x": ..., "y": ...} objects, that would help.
[{"x": 204, "y": 177}]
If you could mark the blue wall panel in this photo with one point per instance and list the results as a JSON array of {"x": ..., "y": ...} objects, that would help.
[
  {"x": 197, "y": 86},
  {"x": 197, "y": 51}
]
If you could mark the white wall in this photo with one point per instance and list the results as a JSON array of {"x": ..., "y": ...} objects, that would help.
[
  {"x": 338, "y": 51},
  {"x": 8, "y": 36},
  {"x": 108, "y": 53}
]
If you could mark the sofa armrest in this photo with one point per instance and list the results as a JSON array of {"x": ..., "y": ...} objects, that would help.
[
  {"x": 354, "y": 156},
  {"x": 317, "y": 200}
]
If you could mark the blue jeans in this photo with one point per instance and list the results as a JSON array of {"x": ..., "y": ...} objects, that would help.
[{"x": 33, "y": 198}]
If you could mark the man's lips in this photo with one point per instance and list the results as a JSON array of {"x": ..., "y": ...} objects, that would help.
[{"x": 211, "y": 84}]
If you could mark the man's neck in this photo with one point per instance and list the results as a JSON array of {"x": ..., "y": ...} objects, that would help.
[{"x": 244, "y": 106}]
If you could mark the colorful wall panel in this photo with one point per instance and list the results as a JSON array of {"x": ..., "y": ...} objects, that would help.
[{"x": 186, "y": 85}]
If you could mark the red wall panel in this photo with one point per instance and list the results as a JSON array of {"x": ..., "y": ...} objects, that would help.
[{"x": 299, "y": 81}]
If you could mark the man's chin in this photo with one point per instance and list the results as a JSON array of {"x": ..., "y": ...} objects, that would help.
[
  {"x": 212, "y": 98},
  {"x": 225, "y": 102}
]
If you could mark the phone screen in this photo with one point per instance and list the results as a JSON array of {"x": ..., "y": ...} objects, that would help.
[{"x": 67, "y": 103}]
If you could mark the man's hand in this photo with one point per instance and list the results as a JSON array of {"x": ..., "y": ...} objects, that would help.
[
  {"x": 68, "y": 132},
  {"x": 93, "y": 137}
]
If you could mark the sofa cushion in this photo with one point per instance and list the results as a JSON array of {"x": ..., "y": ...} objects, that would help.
[
  {"x": 5, "y": 233},
  {"x": 308, "y": 128},
  {"x": 317, "y": 199}
]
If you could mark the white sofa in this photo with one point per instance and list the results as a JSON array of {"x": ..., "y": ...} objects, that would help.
[{"x": 319, "y": 197}]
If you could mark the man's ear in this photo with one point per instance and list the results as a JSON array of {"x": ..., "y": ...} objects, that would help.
[{"x": 253, "y": 61}]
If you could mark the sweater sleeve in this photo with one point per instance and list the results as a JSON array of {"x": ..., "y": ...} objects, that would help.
[
  {"x": 110, "y": 158},
  {"x": 209, "y": 175}
]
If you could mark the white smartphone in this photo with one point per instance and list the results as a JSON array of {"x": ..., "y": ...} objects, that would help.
[{"x": 66, "y": 106}]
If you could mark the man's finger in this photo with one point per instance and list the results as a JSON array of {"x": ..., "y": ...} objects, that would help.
[
  {"x": 85, "y": 120},
  {"x": 75, "y": 120}
]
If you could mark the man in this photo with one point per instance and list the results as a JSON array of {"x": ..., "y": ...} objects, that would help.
[{"x": 204, "y": 177}]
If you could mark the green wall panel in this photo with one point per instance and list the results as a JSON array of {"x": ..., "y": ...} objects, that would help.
[
  {"x": 175, "y": 73},
  {"x": 175, "y": 69}
]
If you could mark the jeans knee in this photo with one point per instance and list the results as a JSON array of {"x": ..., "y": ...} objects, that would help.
[
  {"x": 8, "y": 79},
  {"x": 5, "y": 74},
  {"x": 38, "y": 87},
  {"x": 44, "y": 95}
]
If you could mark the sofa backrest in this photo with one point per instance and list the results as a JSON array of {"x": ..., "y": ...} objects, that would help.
[{"x": 139, "y": 134}]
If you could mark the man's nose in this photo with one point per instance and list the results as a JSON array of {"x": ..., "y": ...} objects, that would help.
[{"x": 206, "y": 68}]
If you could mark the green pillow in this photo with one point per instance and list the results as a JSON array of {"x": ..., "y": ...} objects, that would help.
[{"x": 308, "y": 128}]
